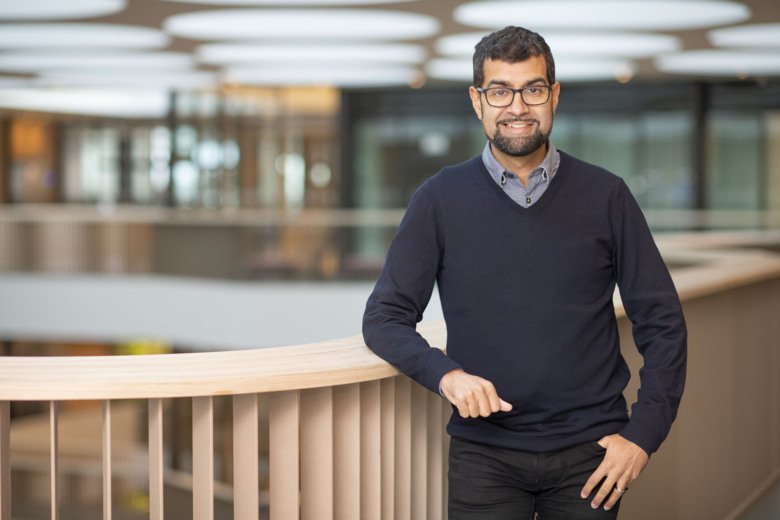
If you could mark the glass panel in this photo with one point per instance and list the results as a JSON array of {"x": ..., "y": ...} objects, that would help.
[
  {"x": 665, "y": 179},
  {"x": 773, "y": 160},
  {"x": 734, "y": 157}
]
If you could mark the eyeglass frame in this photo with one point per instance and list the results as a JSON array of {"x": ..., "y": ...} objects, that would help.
[{"x": 514, "y": 91}]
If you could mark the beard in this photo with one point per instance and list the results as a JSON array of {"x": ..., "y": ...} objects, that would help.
[{"x": 519, "y": 146}]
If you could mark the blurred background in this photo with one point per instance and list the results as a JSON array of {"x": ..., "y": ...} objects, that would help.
[{"x": 226, "y": 174}]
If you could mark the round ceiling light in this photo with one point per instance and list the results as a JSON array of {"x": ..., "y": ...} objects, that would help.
[
  {"x": 98, "y": 102},
  {"x": 711, "y": 62},
  {"x": 760, "y": 35},
  {"x": 603, "y": 14},
  {"x": 73, "y": 35},
  {"x": 316, "y": 74},
  {"x": 13, "y": 82},
  {"x": 37, "y": 61},
  {"x": 233, "y": 53},
  {"x": 566, "y": 69},
  {"x": 634, "y": 45},
  {"x": 58, "y": 9},
  {"x": 290, "y": 2},
  {"x": 117, "y": 78},
  {"x": 309, "y": 24}
]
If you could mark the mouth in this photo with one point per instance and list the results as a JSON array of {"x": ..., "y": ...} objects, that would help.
[{"x": 517, "y": 125}]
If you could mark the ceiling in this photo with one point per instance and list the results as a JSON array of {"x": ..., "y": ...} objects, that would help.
[{"x": 49, "y": 55}]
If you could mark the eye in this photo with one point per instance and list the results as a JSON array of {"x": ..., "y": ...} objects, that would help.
[
  {"x": 535, "y": 91},
  {"x": 500, "y": 92}
]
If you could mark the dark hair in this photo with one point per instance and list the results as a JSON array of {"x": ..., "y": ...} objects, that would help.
[{"x": 511, "y": 44}]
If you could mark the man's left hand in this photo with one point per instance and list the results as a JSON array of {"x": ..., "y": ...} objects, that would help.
[{"x": 622, "y": 464}]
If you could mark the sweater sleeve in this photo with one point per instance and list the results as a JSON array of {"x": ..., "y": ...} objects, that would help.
[
  {"x": 401, "y": 294},
  {"x": 651, "y": 303}
]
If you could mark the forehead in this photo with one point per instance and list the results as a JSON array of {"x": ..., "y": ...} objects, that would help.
[{"x": 518, "y": 72}]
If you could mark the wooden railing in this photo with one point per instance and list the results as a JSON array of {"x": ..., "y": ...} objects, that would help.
[
  {"x": 351, "y": 439},
  {"x": 348, "y": 437}
]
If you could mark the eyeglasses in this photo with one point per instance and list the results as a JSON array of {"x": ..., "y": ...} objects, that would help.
[{"x": 500, "y": 97}]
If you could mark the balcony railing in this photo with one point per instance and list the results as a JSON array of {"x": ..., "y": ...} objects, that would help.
[{"x": 348, "y": 438}]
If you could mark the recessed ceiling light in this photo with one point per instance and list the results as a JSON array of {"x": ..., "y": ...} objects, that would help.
[
  {"x": 139, "y": 103},
  {"x": 290, "y": 2},
  {"x": 573, "y": 69},
  {"x": 721, "y": 63},
  {"x": 316, "y": 74},
  {"x": 91, "y": 35},
  {"x": 634, "y": 45},
  {"x": 754, "y": 35},
  {"x": 310, "y": 24},
  {"x": 231, "y": 53},
  {"x": 58, "y": 9},
  {"x": 36, "y": 61},
  {"x": 602, "y": 14},
  {"x": 123, "y": 77}
]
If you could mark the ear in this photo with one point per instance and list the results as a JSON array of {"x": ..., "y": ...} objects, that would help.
[
  {"x": 476, "y": 101},
  {"x": 556, "y": 90}
]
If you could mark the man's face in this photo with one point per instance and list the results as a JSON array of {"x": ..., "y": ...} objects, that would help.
[{"x": 518, "y": 129}]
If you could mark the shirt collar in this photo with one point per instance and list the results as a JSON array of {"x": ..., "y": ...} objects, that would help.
[{"x": 549, "y": 164}]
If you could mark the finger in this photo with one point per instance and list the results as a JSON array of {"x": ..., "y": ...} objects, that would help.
[
  {"x": 604, "y": 491},
  {"x": 473, "y": 406},
  {"x": 596, "y": 477},
  {"x": 463, "y": 409},
  {"x": 504, "y": 406},
  {"x": 614, "y": 497},
  {"x": 485, "y": 406},
  {"x": 490, "y": 392}
]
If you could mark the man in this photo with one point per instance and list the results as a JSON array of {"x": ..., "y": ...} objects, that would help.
[{"x": 526, "y": 244}]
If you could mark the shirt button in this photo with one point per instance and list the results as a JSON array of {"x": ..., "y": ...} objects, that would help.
[{"x": 528, "y": 200}]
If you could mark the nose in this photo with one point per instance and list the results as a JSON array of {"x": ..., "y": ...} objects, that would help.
[{"x": 517, "y": 106}]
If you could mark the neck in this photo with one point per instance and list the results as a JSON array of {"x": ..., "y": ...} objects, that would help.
[{"x": 520, "y": 166}]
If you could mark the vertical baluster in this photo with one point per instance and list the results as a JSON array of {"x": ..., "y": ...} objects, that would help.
[
  {"x": 317, "y": 454},
  {"x": 246, "y": 458},
  {"x": 387, "y": 390},
  {"x": 370, "y": 451},
  {"x": 284, "y": 455},
  {"x": 156, "y": 459},
  {"x": 346, "y": 452},
  {"x": 403, "y": 448},
  {"x": 419, "y": 452},
  {"x": 53, "y": 460},
  {"x": 202, "y": 458},
  {"x": 5, "y": 460},
  {"x": 434, "y": 466},
  {"x": 107, "y": 460}
]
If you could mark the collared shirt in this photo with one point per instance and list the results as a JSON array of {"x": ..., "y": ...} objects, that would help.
[{"x": 538, "y": 181}]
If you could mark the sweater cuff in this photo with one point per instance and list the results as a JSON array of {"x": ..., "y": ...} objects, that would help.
[
  {"x": 438, "y": 366},
  {"x": 641, "y": 435}
]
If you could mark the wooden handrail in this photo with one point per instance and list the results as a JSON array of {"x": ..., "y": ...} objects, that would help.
[{"x": 328, "y": 363}]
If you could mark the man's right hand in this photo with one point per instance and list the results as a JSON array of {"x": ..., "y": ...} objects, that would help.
[{"x": 472, "y": 395}]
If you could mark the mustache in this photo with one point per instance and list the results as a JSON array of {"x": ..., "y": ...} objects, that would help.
[{"x": 517, "y": 120}]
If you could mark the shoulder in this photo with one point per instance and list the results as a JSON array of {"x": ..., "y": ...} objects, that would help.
[
  {"x": 592, "y": 174},
  {"x": 453, "y": 177}
]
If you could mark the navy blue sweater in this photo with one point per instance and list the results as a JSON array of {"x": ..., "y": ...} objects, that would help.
[{"x": 527, "y": 299}]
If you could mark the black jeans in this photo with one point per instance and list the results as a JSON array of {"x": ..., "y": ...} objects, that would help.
[{"x": 486, "y": 482}]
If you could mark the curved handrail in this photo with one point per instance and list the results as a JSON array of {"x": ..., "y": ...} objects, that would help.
[{"x": 328, "y": 363}]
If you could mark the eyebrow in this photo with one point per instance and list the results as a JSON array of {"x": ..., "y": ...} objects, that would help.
[{"x": 504, "y": 83}]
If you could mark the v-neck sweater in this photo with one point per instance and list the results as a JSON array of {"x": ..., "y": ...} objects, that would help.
[{"x": 527, "y": 296}]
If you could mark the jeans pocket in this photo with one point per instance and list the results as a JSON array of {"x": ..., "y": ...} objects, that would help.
[{"x": 596, "y": 446}]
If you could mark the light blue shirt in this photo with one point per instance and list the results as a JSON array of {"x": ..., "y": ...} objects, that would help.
[{"x": 538, "y": 181}]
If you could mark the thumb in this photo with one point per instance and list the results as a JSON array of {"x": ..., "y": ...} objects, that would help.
[{"x": 505, "y": 407}]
